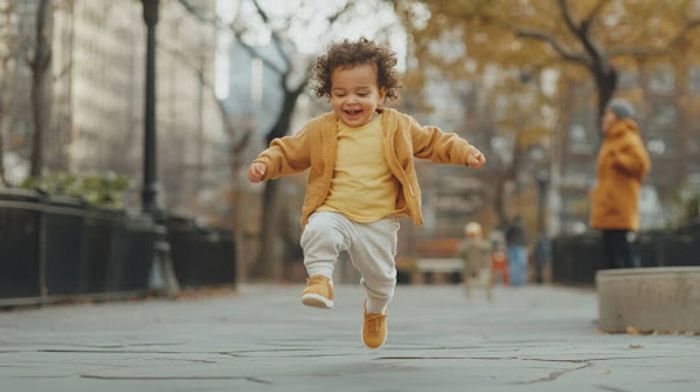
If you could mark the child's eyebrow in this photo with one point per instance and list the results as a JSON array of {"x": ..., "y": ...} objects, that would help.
[{"x": 354, "y": 88}]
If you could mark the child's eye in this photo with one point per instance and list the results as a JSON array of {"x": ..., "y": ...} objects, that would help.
[{"x": 363, "y": 94}]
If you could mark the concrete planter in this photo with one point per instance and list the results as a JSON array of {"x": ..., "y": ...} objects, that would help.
[{"x": 665, "y": 299}]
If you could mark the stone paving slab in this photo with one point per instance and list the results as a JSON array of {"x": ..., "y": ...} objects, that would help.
[{"x": 263, "y": 339}]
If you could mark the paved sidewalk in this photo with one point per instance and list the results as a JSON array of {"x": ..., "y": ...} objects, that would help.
[{"x": 263, "y": 339}]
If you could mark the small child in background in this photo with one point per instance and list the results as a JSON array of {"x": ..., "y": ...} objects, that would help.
[
  {"x": 362, "y": 176},
  {"x": 476, "y": 255}
]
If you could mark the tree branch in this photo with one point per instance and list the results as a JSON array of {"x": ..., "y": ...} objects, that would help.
[
  {"x": 595, "y": 11},
  {"x": 596, "y": 59},
  {"x": 657, "y": 51},
  {"x": 690, "y": 25},
  {"x": 276, "y": 38},
  {"x": 568, "y": 19},
  {"x": 637, "y": 52},
  {"x": 192, "y": 10},
  {"x": 256, "y": 54},
  {"x": 301, "y": 87},
  {"x": 567, "y": 54},
  {"x": 220, "y": 24},
  {"x": 334, "y": 17}
]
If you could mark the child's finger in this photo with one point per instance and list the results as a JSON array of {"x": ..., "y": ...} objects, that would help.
[
  {"x": 254, "y": 173},
  {"x": 476, "y": 160}
]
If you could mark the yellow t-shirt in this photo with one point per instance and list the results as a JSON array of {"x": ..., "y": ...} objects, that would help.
[{"x": 363, "y": 187}]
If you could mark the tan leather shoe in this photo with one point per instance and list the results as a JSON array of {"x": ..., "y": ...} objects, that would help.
[
  {"x": 374, "y": 329},
  {"x": 318, "y": 292}
]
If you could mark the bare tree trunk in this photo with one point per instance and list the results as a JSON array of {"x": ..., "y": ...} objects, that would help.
[
  {"x": 499, "y": 201},
  {"x": 268, "y": 263},
  {"x": 606, "y": 84},
  {"x": 236, "y": 216},
  {"x": 7, "y": 14},
  {"x": 3, "y": 181},
  {"x": 510, "y": 174},
  {"x": 41, "y": 83}
]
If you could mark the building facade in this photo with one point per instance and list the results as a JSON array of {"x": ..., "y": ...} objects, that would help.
[{"x": 98, "y": 67}]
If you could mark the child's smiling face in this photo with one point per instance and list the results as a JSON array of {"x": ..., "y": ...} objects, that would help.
[{"x": 355, "y": 94}]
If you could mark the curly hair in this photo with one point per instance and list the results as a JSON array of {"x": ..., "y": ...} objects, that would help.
[{"x": 351, "y": 53}]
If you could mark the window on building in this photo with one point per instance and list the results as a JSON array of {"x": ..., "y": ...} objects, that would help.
[
  {"x": 627, "y": 80},
  {"x": 662, "y": 79},
  {"x": 694, "y": 79},
  {"x": 656, "y": 146},
  {"x": 663, "y": 113},
  {"x": 694, "y": 142},
  {"x": 579, "y": 141}
]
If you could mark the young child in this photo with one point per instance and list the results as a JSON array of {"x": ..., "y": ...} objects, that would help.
[
  {"x": 476, "y": 256},
  {"x": 362, "y": 176}
]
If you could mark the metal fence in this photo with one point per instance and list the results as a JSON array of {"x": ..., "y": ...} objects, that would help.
[
  {"x": 577, "y": 258},
  {"x": 52, "y": 248}
]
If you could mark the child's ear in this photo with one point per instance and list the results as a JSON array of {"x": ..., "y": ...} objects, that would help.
[{"x": 382, "y": 94}]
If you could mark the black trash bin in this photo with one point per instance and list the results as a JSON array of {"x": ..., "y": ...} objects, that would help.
[
  {"x": 681, "y": 249},
  {"x": 184, "y": 243},
  {"x": 562, "y": 260},
  {"x": 587, "y": 252},
  {"x": 649, "y": 248},
  {"x": 227, "y": 257},
  {"x": 133, "y": 254},
  {"x": 201, "y": 256},
  {"x": 103, "y": 229},
  {"x": 64, "y": 227},
  {"x": 577, "y": 258},
  {"x": 20, "y": 228}
]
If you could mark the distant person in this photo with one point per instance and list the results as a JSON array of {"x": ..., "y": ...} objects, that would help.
[
  {"x": 622, "y": 164},
  {"x": 543, "y": 257},
  {"x": 475, "y": 253},
  {"x": 499, "y": 259},
  {"x": 362, "y": 176},
  {"x": 517, "y": 252}
]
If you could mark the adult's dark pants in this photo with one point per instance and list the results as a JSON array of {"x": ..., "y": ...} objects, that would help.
[{"x": 619, "y": 249}]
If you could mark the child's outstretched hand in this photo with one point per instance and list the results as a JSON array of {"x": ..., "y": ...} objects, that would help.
[
  {"x": 256, "y": 172},
  {"x": 476, "y": 159}
]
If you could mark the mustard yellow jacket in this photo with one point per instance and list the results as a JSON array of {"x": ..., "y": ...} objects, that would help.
[
  {"x": 622, "y": 164},
  {"x": 315, "y": 147}
]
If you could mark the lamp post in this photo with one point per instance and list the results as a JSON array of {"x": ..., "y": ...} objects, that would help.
[
  {"x": 542, "y": 178},
  {"x": 162, "y": 272},
  {"x": 542, "y": 251},
  {"x": 149, "y": 192}
]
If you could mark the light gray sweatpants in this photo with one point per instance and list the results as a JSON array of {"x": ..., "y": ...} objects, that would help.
[{"x": 371, "y": 246}]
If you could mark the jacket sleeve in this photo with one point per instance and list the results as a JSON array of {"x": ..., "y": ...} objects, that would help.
[
  {"x": 286, "y": 155},
  {"x": 431, "y": 143},
  {"x": 632, "y": 158}
]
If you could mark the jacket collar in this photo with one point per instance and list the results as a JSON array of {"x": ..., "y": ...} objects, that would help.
[{"x": 620, "y": 128}]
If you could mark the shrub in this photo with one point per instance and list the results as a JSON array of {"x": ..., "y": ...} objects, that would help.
[{"x": 98, "y": 190}]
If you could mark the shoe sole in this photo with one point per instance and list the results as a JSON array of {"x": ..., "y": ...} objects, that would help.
[{"x": 317, "y": 301}]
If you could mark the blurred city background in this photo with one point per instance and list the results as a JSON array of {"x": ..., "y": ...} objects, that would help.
[{"x": 524, "y": 81}]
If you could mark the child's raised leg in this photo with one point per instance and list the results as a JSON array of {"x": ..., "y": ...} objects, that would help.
[{"x": 324, "y": 237}]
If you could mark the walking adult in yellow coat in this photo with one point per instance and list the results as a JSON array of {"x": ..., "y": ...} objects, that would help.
[{"x": 621, "y": 166}]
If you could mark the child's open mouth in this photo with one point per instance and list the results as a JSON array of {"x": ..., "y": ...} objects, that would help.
[{"x": 353, "y": 113}]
